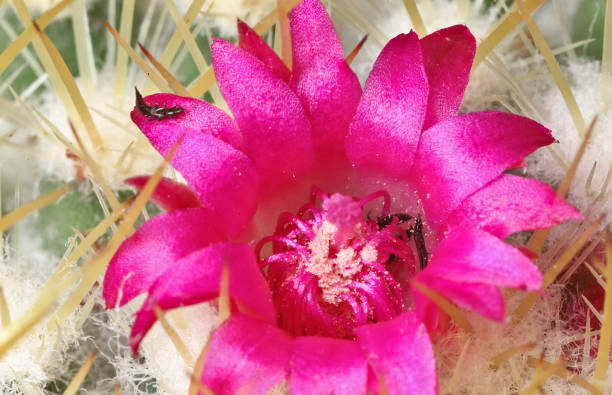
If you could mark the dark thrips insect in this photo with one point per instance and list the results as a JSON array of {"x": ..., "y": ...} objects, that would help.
[
  {"x": 415, "y": 231},
  {"x": 419, "y": 240},
  {"x": 385, "y": 220},
  {"x": 156, "y": 112}
]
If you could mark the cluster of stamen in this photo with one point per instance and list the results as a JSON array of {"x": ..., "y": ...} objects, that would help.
[{"x": 331, "y": 269}]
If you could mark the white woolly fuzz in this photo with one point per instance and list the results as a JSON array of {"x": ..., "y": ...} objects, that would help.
[
  {"x": 21, "y": 168},
  {"x": 386, "y": 19},
  {"x": 39, "y": 356},
  {"x": 477, "y": 373},
  {"x": 554, "y": 19},
  {"x": 585, "y": 82},
  {"x": 223, "y": 14},
  {"x": 194, "y": 325},
  {"x": 125, "y": 151},
  {"x": 43, "y": 356},
  {"x": 30, "y": 153},
  {"x": 107, "y": 333}
]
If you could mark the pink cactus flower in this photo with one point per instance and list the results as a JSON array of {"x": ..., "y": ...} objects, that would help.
[{"x": 326, "y": 203}]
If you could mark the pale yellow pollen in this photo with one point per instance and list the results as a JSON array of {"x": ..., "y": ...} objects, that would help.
[
  {"x": 369, "y": 253},
  {"x": 334, "y": 273}
]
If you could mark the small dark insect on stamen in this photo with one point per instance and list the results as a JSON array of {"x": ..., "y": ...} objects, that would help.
[
  {"x": 156, "y": 112},
  {"x": 415, "y": 231},
  {"x": 419, "y": 241},
  {"x": 385, "y": 220}
]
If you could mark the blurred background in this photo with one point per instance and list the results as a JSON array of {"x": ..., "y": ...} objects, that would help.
[{"x": 84, "y": 169}]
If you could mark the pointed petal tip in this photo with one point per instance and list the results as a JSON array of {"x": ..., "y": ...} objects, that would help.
[
  {"x": 327, "y": 87},
  {"x": 511, "y": 204},
  {"x": 136, "y": 338},
  {"x": 473, "y": 256},
  {"x": 243, "y": 28},
  {"x": 252, "y": 43},
  {"x": 483, "y": 299},
  {"x": 448, "y": 55},
  {"x": 385, "y": 131},
  {"x": 574, "y": 214},
  {"x": 308, "y": 5},
  {"x": 110, "y": 298},
  {"x": 169, "y": 194},
  {"x": 276, "y": 131},
  {"x": 217, "y": 42},
  {"x": 485, "y": 143},
  {"x": 458, "y": 31}
]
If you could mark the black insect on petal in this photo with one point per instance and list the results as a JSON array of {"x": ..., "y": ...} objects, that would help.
[
  {"x": 141, "y": 105},
  {"x": 156, "y": 112}
]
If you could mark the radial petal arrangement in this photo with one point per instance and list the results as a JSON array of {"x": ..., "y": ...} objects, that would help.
[{"x": 320, "y": 281}]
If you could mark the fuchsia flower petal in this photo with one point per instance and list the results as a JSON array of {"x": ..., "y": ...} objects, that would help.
[
  {"x": 332, "y": 267},
  {"x": 196, "y": 278},
  {"x": 154, "y": 247},
  {"x": 252, "y": 43},
  {"x": 169, "y": 195},
  {"x": 224, "y": 178},
  {"x": 246, "y": 356},
  {"x": 326, "y": 365},
  {"x": 385, "y": 131},
  {"x": 483, "y": 299},
  {"x": 276, "y": 132},
  {"x": 511, "y": 204},
  {"x": 447, "y": 56},
  {"x": 469, "y": 263},
  {"x": 458, "y": 156},
  {"x": 401, "y": 354},
  {"x": 426, "y": 310},
  {"x": 327, "y": 87},
  {"x": 474, "y": 256}
]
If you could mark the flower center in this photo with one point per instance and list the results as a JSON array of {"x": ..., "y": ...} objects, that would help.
[{"x": 332, "y": 268}]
